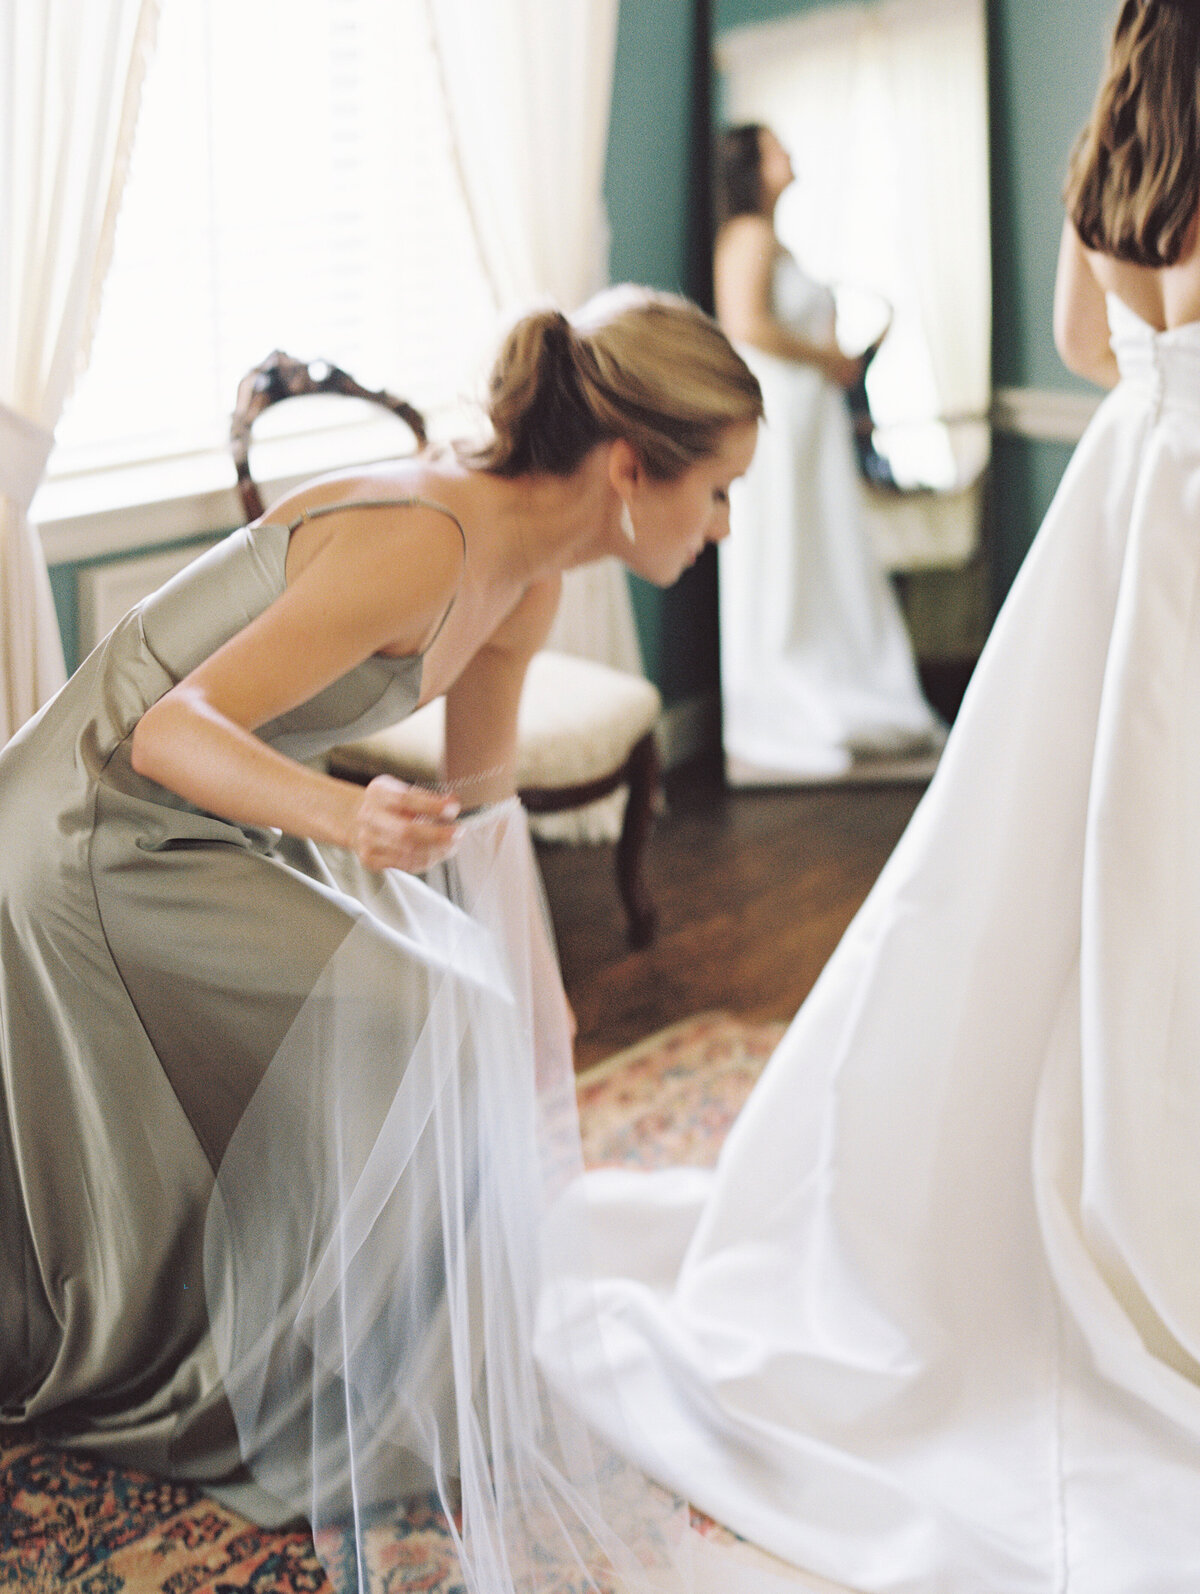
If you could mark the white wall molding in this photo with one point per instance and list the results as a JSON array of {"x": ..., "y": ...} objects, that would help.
[
  {"x": 104, "y": 513},
  {"x": 1044, "y": 415}
]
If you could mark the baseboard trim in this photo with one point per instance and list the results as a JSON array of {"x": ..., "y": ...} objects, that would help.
[{"x": 688, "y": 728}]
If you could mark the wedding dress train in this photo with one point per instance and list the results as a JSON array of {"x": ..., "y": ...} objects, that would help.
[{"x": 933, "y": 1323}]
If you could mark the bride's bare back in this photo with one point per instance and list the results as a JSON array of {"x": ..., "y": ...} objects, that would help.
[{"x": 1164, "y": 296}]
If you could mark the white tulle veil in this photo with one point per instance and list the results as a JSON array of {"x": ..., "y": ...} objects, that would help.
[{"x": 378, "y": 1243}]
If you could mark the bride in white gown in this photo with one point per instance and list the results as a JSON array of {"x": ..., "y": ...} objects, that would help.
[
  {"x": 817, "y": 669},
  {"x": 933, "y": 1324}
]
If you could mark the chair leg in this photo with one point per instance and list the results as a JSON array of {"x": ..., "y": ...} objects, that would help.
[{"x": 642, "y": 772}]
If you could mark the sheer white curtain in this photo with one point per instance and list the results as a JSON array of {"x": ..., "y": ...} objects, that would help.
[
  {"x": 528, "y": 84},
  {"x": 70, "y": 81},
  {"x": 934, "y": 55}
]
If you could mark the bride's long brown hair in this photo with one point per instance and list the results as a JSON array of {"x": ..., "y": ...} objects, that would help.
[{"x": 1133, "y": 184}]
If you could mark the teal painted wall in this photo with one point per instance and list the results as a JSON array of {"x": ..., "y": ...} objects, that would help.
[
  {"x": 1045, "y": 59},
  {"x": 649, "y": 142},
  {"x": 66, "y": 604},
  {"x": 741, "y": 13},
  {"x": 1045, "y": 62},
  {"x": 656, "y": 190}
]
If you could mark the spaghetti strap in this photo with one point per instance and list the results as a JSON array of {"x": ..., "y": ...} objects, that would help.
[{"x": 390, "y": 503}]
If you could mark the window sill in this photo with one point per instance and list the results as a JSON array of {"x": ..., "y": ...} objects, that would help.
[{"x": 105, "y": 513}]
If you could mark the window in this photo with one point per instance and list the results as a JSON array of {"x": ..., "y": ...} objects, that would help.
[{"x": 292, "y": 185}]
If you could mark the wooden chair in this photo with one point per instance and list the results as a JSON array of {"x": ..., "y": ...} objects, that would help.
[
  {"x": 584, "y": 729},
  {"x": 280, "y": 377}
]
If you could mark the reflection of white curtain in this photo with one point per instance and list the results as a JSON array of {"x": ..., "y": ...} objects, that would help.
[
  {"x": 529, "y": 84},
  {"x": 934, "y": 55},
  {"x": 800, "y": 75},
  {"x": 883, "y": 104},
  {"x": 70, "y": 80}
]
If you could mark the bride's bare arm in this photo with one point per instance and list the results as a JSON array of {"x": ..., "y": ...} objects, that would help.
[
  {"x": 742, "y": 268},
  {"x": 1080, "y": 317},
  {"x": 375, "y": 584}
]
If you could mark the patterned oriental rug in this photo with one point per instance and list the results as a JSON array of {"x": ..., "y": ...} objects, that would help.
[{"x": 70, "y": 1524}]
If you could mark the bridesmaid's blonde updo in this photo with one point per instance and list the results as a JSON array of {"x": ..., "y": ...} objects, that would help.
[{"x": 647, "y": 367}]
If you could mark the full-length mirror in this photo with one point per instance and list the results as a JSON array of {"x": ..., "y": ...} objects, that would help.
[{"x": 853, "y": 220}]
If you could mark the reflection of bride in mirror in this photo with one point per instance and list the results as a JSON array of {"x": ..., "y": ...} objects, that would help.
[{"x": 817, "y": 668}]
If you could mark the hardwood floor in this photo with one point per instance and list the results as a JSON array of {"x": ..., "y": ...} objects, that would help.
[{"x": 754, "y": 890}]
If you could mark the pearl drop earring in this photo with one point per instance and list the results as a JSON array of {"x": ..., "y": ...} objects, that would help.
[{"x": 626, "y": 522}]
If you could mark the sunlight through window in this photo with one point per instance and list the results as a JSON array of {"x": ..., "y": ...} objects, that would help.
[{"x": 291, "y": 186}]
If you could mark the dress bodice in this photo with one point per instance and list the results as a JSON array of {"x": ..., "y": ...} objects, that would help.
[
  {"x": 221, "y": 592},
  {"x": 800, "y": 302},
  {"x": 1166, "y": 364}
]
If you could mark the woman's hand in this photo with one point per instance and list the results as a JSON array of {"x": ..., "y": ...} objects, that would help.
[
  {"x": 398, "y": 826},
  {"x": 843, "y": 369}
]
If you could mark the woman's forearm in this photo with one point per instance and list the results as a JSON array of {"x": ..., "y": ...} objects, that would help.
[
  {"x": 189, "y": 747},
  {"x": 772, "y": 337},
  {"x": 481, "y": 729}
]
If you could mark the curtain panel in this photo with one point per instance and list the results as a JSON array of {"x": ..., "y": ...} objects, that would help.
[
  {"x": 528, "y": 86},
  {"x": 71, "y": 73}
]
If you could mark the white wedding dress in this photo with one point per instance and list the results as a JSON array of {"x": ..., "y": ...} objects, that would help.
[
  {"x": 933, "y": 1324},
  {"x": 816, "y": 663}
]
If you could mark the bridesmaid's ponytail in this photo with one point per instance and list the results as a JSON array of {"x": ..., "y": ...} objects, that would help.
[
  {"x": 648, "y": 367},
  {"x": 539, "y": 418}
]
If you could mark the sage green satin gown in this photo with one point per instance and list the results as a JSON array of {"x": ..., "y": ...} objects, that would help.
[{"x": 152, "y": 957}]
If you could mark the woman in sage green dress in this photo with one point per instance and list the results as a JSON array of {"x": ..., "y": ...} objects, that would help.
[{"x": 284, "y": 1062}]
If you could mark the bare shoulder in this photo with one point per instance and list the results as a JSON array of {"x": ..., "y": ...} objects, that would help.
[
  {"x": 398, "y": 565},
  {"x": 747, "y": 236},
  {"x": 742, "y": 266},
  {"x": 526, "y": 626}
]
